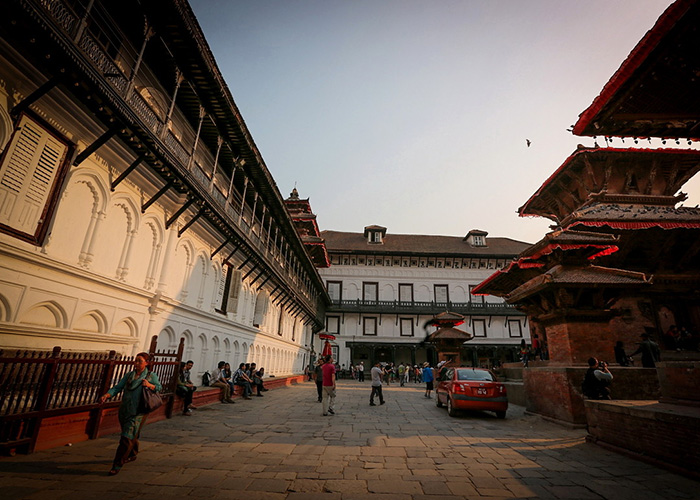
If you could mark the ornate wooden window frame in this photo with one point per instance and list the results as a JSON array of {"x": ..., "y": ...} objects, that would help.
[{"x": 51, "y": 204}]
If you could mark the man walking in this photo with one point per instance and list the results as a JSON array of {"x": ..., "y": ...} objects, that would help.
[
  {"x": 376, "y": 373},
  {"x": 361, "y": 372},
  {"x": 318, "y": 378},
  {"x": 428, "y": 378},
  {"x": 650, "y": 352},
  {"x": 328, "y": 386}
]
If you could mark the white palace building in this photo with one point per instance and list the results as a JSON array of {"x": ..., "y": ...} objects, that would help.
[
  {"x": 133, "y": 200},
  {"x": 385, "y": 287}
]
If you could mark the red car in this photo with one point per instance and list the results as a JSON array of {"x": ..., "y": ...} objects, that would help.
[{"x": 471, "y": 389}]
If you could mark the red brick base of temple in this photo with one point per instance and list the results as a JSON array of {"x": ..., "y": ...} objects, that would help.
[
  {"x": 554, "y": 392},
  {"x": 659, "y": 433},
  {"x": 662, "y": 432}
]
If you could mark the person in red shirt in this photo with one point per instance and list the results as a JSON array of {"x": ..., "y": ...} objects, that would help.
[{"x": 328, "y": 386}]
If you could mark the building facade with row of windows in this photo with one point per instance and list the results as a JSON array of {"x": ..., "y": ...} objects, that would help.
[
  {"x": 385, "y": 287},
  {"x": 133, "y": 200}
]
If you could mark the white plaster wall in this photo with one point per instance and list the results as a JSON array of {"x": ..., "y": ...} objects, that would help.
[{"x": 104, "y": 278}]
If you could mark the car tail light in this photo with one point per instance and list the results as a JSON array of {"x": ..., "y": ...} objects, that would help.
[
  {"x": 502, "y": 389},
  {"x": 459, "y": 388}
]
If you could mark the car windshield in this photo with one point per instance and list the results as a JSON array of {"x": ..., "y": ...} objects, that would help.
[{"x": 474, "y": 375}]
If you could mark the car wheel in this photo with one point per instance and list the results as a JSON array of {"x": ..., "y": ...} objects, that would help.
[
  {"x": 437, "y": 400},
  {"x": 451, "y": 409},
  {"x": 500, "y": 414}
]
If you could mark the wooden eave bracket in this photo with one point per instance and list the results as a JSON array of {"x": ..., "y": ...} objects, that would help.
[
  {"x": 177, "y": 214},
  {"x": 190, "y": 222},
  {"x": 221, "y": 247},
  {"x": 99, "y": 142},
  {"x": 34, "y": 96},
  {"x": 126, "y": 172},
  {"x": 155, "y": 197}
]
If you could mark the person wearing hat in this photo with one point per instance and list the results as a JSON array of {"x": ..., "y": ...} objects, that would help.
[
  {"x": 428, "y": 378},
  {"x": 650, "y": 352}
]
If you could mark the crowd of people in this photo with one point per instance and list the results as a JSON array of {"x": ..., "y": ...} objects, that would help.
[
  {"x": 596, "y": 384},
  {"x": 681, "y": 339},
  {"x": 132, "y": 415},
  {"x": 248, "y": 377},
  {"x": 325, "y": 374}
]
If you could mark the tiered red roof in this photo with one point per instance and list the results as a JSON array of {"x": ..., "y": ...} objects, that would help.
[{"x": 305, "y": 222}]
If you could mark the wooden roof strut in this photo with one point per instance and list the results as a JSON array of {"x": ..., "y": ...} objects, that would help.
[
  {"x": 221, "y": 247},
  {"x": 190, "y": 222},
  {"x": 155, "y": 197},
  {"x": 177, "y": 214},
  {"x": 263, "y": 283},
  {"x": 99, "y": 142},
  {"x": 257, "y": 277},
  {"x": 126, "y": 172},
  {"x": 248, "y": 259},
  {"x": 34, "y": 96},
  {"x": 255, "y": 266},
  {"x": 235, "y": 249}
]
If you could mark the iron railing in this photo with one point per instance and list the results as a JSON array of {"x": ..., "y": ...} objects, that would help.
[{"x": 417, "y": 307}]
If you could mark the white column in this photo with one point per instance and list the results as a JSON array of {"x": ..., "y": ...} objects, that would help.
[
  {"x": 82, "y": 258},
  {"x": 152, "y": 263},
  {"x": 200, "y": 298},
  {"x": 167, "y": 258},
  {"x": 90, "y": 254},
  {"x": 186, "y": 278},
  {"x": 123, "y": 268}
]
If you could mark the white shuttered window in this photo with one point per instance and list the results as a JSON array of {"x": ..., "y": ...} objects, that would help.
[{"x": 28, "y": 175}]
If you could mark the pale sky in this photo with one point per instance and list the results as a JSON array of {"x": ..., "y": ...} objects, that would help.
[{"x": 414, "y": 115}]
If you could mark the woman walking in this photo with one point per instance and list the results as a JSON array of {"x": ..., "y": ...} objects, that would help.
[{"x": 130, "y": 419}]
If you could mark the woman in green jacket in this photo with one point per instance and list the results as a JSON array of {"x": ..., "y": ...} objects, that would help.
[{"x": 130, "y": 419}]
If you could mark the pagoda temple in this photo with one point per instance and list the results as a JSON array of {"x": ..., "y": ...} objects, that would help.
[
  {"x": 623, "y": 258},
  {"x": 305, "y": 222},
  {"x": 447, "y": 339}
]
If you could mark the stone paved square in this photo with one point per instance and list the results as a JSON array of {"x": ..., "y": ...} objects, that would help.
[{"x": 280, "y": 447}]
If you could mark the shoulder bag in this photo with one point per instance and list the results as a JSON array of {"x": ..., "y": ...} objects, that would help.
[{"x": 150, "y": 400}]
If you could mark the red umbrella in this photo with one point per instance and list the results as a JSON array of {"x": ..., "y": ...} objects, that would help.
[
  {"x": 327, "y": 350},
  {"x": 326, "y": 336}
]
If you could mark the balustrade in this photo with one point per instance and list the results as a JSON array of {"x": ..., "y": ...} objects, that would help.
[
  {"x": 413, "y": 306},
  {"x": 149, "y": 117},
  {"x": 67, "y": 21}
]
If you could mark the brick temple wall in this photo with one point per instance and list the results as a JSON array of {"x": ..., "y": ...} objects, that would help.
[
  {"x": 572, "y": 341},
  {"x": 652, "y": 431},
  {"x": 555, "y": 392},
  {"x": 679, "y": 381}
]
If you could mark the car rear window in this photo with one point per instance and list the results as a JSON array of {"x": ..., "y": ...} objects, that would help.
[{"x": 474, "y": 375}]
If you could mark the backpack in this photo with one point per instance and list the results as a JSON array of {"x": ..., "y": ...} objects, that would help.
[
  {"x": 590, "y": 387},
  {"x": 206, "y": 378}
]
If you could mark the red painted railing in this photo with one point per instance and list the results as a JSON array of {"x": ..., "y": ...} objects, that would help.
[{"x": 35, "y": 386}]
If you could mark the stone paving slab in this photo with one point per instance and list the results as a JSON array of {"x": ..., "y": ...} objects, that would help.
[{"x": 281, "y": 448}]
